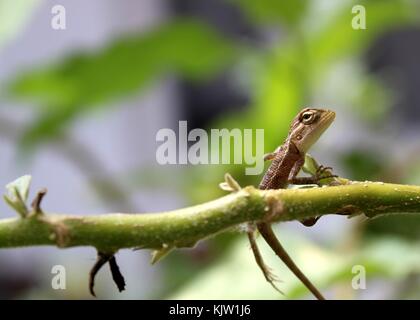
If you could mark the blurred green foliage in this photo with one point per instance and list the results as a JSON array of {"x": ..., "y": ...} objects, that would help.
[
  {"x": 286, "y": 76},
  {"x": 363, "y": 165},
  {"x": 92, "y": 80},
  {"x": 273, "y": 11},
  {"x": 308, "y": 45},
  {"x": 406, "y": 227},
  {"x": 13, "y": 16},
  {"x": 236, "y": 277}
]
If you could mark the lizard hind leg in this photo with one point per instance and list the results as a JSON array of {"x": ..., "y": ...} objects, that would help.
[
  {"x": 273, "y": 242},
  {"x": 268, "y": 275}
]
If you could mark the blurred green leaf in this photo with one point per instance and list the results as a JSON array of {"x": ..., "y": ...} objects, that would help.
[
  {"x": 84, "y": 81},
  {"x": 411, "y": 167},
  {"x": 374, "y": 100},
  {"x": 281, "y": 93},
  {"x": 284, "y": 78},
  {"x": 338, "y": 39},
  {"x": 14, "y": 14},
  {"x": 405, "y": 226},
  {"x": 363, "y": 164},
  {"x": 186, "y": 265},
  {"x": 397, "y": 257},
  {"x": 273, "y": 11},
  {"x": 278, "y": 88},
  {"x": 287, "y": 75},
  {"x": 236, "y": 276}
]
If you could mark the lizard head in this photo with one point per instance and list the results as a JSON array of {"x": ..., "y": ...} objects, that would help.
[{"x": 308, "y": 126}]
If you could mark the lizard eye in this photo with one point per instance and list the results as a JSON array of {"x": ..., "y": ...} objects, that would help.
[{"x": 307, "y": 117}]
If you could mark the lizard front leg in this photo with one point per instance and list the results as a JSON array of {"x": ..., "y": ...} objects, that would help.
[
  {"x": 270, "y": 156},
  {"x": 320, "y": 174}
]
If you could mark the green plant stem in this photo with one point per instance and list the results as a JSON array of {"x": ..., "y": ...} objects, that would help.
[{"x": 184, "y": 227}]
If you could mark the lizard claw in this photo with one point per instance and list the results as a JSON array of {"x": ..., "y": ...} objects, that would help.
[
  {"x": 272, "y": 279},
  {"x": 322, "y": 173},
  {"x": 322, "y": 169}
]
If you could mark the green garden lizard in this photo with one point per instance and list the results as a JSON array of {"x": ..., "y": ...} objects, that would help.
[{"x": 287, "y": 161}]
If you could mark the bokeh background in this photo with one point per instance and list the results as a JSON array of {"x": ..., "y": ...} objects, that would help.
[{"x": 80, "y": 108}]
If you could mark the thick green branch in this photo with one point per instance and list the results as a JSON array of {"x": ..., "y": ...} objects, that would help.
[{"x": 184, "y": 227}]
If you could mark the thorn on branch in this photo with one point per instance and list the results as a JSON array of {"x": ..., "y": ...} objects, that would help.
[
  {"x": 36, "y": 203},
  {"x": 160, "y": 253},
  {"x": 230, "y": 184}
]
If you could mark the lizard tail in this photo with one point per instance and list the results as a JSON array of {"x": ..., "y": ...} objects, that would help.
[{"x": 271, "y": 239}]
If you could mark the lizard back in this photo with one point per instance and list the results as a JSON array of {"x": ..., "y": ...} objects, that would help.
[{"x": 277, "y": 175}]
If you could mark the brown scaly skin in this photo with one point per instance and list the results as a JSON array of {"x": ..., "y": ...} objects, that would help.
[{"x": 288, "y": 160}]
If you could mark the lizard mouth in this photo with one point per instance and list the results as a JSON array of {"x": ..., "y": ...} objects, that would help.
[
  {"x": 325, "y": 120},
  {"x": 328, "y": 117}
]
